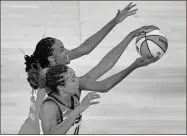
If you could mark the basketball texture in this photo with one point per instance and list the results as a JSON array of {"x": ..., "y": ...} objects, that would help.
[{"x": 153, "y": 43}]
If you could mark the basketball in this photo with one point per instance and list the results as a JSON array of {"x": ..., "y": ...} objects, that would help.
[{"x": 152, "y": 43}]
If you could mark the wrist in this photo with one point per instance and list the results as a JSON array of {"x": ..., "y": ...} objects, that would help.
[
  {"x": 134, "y": 65},
  {"x": 78, "y": 109},
  {"x": 133, "y": 34},
  {"x": 114, "y": 21}
]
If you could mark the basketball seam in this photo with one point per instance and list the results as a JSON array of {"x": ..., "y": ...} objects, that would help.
[
  {"x": 140, "y": 48},
  {"x": 148, "y": 45},
  {"x": 158, "y": 35},
  {"x": 148, "y": 35},
  {"x": 140, "y": 39},
  {"x": 157, "y": 44}
]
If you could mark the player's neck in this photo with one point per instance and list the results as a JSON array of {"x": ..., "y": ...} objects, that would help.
[
  {"x": 65, "y": 98},
  {"x": 48, "y": 90}
]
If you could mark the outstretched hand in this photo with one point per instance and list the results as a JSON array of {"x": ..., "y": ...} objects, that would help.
[
  {"x": 88, "y": 101},
  {"x": 121, "y": 15},
  {"x": 144, "y": 29},
  {"x": 144, "y": 61}
]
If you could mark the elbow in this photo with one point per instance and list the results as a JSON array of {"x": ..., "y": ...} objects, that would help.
[
  {"x": 105, "y": 91},
  {"x": 104, "y": 88}
]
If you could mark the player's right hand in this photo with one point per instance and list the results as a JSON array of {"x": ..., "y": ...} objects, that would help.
[
  {"x": 124, "y": 13},
  {"x": 144, "y": 61},
  {"x": 87, "y": 101},
  {"x": 144, "y": 29}
]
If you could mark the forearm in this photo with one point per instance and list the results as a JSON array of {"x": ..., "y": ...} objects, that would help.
[
  {"x": 110, "y": 59},
  {"x": 95, "y": 39},
  {"x": 113, "y": 80},
  {"x": 66, "y": 124},
  {"x": 92, "y": 42},
  {"x": 106, "y": 84}
]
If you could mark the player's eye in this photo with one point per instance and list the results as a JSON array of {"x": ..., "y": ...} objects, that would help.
[
  {"x": 62, "y": 50},
  {"x": 73, "y": 80}
]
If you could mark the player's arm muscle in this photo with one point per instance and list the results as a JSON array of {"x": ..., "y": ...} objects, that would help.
[
  {"x": 106, "y": 84},
  {"x": 77, "y": 52},
  {"x": 48, "y": 114},
  {"x": 110, "y": 59},
  {"x": 92, "y": 42}
]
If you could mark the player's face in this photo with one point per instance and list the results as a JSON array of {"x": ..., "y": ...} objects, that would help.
[
  {"x": 60, "y": 53},
  {"x": 71, "y": 82}
]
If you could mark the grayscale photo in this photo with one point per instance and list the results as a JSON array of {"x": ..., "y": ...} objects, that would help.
[{"x": 93, "y": 67}]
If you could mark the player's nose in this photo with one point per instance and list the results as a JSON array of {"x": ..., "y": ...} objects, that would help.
[{"x": 66, "y": 50}]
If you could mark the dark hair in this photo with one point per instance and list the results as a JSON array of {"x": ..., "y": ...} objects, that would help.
[
  {"x": 42, "y": 52},
  {"x": 54, "y": 78}
]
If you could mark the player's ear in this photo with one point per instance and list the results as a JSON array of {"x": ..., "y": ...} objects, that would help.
[
  {"x": 60, "y": 88},
  {"x": 51, "y": 58}
]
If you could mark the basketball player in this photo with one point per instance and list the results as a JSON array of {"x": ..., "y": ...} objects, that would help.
[
  {"x": 31, "y": 124},
  {"x": 62, "y": 104},
  {"x": 60, "y": 112},
  {"x": 44, "y": 49},
  {"x": 59, "y": 56}
]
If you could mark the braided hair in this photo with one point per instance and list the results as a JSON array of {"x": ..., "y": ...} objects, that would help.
[
  {"x": 39, "y": 58},
  {"x": 55, "y": 77}
]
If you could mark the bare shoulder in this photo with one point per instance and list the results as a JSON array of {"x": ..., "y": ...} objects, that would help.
[
  {"x": 48, "y": 109},
  {"x": 48, "y": 115}
]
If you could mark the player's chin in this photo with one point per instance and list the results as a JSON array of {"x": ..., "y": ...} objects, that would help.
[
  {"x": 72, "y": 93},
  {"x": 66, "y": 62}
]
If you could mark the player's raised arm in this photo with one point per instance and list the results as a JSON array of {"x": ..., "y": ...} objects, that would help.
[
  {"x": 95, "y": 39},
  {"x": 110, "y": 59},
  {"x": 108, "y": 83}
]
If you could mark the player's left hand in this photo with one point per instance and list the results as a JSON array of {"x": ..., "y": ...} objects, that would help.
[
  {"x": 144, "y": 61},
  {"x": 144, "y": 29},
  {"x": 121, "y": 15}
]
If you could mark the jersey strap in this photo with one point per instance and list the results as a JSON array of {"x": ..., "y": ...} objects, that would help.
[
  {"x": 72, "y": 101},
  {"x": 61, "y": 116},
  {"x": 59, "y": 101},
  {"x": 76, "y": 130},
  {"x": 72, "y": 107}
]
